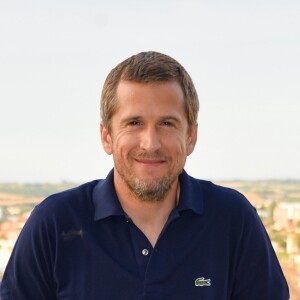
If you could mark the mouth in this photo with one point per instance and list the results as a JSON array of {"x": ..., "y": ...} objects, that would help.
[{"x": 150, "y": 162}]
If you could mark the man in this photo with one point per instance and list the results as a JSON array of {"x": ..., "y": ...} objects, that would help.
[{"x": 149, "y": 230}]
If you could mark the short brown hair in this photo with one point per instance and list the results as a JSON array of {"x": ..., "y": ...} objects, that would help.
[{"x": 148, "y": 67}]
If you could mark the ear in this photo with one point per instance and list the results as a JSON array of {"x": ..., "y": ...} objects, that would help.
[
  {"x": 106, "y": 139},
  {"x": 192, "y": 138}
]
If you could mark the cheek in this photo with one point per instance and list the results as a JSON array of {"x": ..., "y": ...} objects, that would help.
[
  {"x": 123, "y": 143},
  {"x": 177, "y": 146}
]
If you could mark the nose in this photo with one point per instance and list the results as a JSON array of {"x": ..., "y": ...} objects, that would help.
[{"x": 150, "y": 139}]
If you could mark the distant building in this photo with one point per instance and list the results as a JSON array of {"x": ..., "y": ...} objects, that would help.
[
  {"x": 287, "y": 215},
  {"x": 287, "y": 218},
  {"x": 292, "y": 243}
]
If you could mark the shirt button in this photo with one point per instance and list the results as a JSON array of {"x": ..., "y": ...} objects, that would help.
[{"x": 145, "y": 252}]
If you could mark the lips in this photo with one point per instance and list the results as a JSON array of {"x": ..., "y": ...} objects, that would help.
[{"x": 150, "y": 161}]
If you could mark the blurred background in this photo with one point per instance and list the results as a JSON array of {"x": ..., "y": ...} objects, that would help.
[{"x": 242, "y": 55}]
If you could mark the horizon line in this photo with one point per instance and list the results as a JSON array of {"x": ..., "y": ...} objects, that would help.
[{"x": 66, "y": 181}]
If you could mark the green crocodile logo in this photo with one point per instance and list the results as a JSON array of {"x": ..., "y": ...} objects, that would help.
[{"x": 202, "y": 282}]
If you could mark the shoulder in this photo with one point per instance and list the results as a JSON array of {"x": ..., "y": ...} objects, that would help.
[
  {"x": 73, "y": 196},
  {"x": 225, "y": 195},
  {"x": 222, "y": 200},
  {"x": 65, "y": 206}
]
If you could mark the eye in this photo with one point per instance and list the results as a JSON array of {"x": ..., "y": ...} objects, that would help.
[
  {"x": 167, "y": 123},
  {"x": 134, "y": 123}
]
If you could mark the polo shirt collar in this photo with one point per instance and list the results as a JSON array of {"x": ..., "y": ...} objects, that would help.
[
  {"x": 107, "y": 204},
  {"x": 191, "y": 194},
  {"x": 105, "y": 199}
]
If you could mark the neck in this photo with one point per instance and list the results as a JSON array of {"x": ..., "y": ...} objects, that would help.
[{"x": 149, "y": 216}]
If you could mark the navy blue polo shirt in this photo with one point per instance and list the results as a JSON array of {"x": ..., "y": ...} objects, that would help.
[{"x": 80, "y": 245}]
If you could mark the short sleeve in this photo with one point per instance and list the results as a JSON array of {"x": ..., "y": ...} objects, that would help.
[
  {"x": 258, "y": 275},
  {"x": 29, "y": 273}
]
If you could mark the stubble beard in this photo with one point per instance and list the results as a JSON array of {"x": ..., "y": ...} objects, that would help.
[
  {"x": 148, "y": 190},
  {"x": 153, "y": 190}
]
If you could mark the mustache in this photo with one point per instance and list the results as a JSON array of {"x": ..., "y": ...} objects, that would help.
[{"x": 157, "y": 155}]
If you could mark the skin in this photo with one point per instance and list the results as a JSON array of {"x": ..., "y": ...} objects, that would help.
[{"x": 150, "y": 140}]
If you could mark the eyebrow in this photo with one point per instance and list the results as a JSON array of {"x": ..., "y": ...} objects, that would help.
[
  {"x": 130, "y": 118},
  {"x": 167, "y": 117}
]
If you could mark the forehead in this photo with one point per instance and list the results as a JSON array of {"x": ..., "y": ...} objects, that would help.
[{"x": 137, "y": 93}]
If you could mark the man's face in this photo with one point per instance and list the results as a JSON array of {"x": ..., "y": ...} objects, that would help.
[{"x": 149, "y": 137}]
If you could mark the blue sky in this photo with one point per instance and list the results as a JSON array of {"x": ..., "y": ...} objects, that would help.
[{"x": 242, "y": 55}]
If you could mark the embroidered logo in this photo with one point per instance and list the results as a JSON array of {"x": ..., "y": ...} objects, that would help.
[{"x": 202, "y": 282}]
